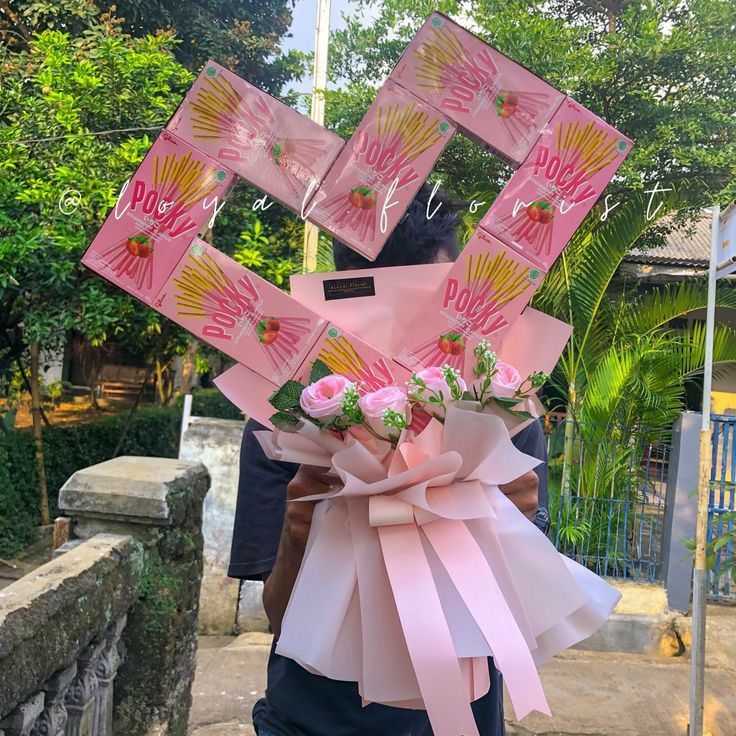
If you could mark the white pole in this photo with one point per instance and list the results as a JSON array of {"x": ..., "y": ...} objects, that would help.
[
  {"x": 186, "y": 419},
  {"x": 317, "y": 113},
  {"x": 697, "y": 663}
]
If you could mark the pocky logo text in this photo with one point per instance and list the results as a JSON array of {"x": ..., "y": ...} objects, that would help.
[
  {"x": 382, "y": 161},
  {"x": 471, "y": 311}
]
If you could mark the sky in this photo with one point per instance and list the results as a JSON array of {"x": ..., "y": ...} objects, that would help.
[{"x": 303, "y": 30}]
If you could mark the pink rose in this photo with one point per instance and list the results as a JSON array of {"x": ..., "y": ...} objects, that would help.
[
  {"x": 376, "y": 403},
  {"x": 322, "y": 399},
  {"x": 436, "y": 381},
  {"x": 505, "y": 381}
]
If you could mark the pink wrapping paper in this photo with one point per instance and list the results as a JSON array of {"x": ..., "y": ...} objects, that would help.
[
  {"x": 548, "y": 197},
  {"x": 353, "y": 358},
  {"x": 492, "y": 99},
  {"x": 374, "y": 179},
  {"x": 482, "y": 295},
  {"x": 238, "y": 312},
  {"x": 269, "y": 144},
  {"x": 171, "y": 197},
  {"x": 423, "y": 547},
  {"x": 379, "y": 305}
]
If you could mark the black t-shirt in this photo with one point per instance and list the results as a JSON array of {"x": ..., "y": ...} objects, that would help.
[{"x": 298, "y": 703}]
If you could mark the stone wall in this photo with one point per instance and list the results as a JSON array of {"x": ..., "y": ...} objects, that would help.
[
  {"x": 119, "y": 604},
  {"x": 216, "y": 444}
]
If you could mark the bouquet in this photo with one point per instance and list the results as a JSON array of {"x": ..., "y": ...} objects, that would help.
[{"x": 417, "y": 566}]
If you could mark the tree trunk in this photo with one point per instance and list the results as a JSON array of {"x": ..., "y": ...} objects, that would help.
[
  {"x": 160, "y": 383},
  {"x": 37, "y": 434},
  {"x": 569, "y": 444},
  {"x": 188, "y": 370},
  {"x": 131, "y": 413},
  {"x": 612, "y": 20}
]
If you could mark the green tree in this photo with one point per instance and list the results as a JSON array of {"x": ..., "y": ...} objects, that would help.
[
  {"x": 59, "y": 179},
  {"x": 658, "y": 70},
  {"x": 243, "y": 35}
]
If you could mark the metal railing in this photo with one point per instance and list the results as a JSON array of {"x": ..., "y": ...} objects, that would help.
[
  {"x": 607, "y": 494},
  {"x": 722, "y": 501}
]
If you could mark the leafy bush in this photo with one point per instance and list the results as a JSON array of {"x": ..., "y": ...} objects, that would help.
[
  {"x": 153, "y": 432},
  {"x": 211, "y": 402}
]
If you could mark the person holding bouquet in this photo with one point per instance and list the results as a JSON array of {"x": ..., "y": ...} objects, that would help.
[{"x": 270, "y": 536}]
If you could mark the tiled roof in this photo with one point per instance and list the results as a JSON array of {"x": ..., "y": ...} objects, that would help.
[{"x": 682, "y": 248}]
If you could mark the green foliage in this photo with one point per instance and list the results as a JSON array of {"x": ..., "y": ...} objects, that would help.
[
  {"x": 243, "y": 35},
  {"x": 657, "y": 70},
  {"x": 153, "y": 432},
  {"x": 211, "y": 402},
  {"x": 65, "y": 86},
  {"x": 623, "y": 364}
]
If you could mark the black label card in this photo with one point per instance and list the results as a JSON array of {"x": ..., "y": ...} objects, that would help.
[{"x": 348, "y": 288}]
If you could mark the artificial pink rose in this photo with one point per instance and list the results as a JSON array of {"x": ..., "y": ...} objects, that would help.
[
  {"x": 505, "y": 381},
  {"x": 322, "y": 399},
  {"x": 376, "y": 403},
  {"x": 436, "y": 381}
]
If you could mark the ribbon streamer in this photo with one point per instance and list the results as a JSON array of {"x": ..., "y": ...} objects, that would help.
[{"x": 418, "y": 568}]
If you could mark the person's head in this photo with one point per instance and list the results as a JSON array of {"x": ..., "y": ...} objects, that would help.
[{"x": 415, "y": 240}]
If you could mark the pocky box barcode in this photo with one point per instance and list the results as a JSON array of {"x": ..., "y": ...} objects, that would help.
[
  {"x": 267, "y": 143},
  {"x": 238, "y": 312},
  {"x": 171, "y": 197}
]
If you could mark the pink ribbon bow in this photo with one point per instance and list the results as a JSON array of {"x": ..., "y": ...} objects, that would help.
[{"x": 410, "y": 579}]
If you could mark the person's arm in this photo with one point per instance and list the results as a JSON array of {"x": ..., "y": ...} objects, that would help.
[
  {"x": 297, "y": 522},
  {"x": 527, "y": 491}
]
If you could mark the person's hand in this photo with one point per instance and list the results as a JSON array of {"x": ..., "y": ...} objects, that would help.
[
  {"x": 523, "y": 493},
  {"x": 298, "y": 516}
]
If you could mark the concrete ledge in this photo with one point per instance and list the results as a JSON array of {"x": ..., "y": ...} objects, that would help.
[
  {"x": 50, "y": 615},
  {"x": 130, "y": 489},
  {"x": 636, "y": 634}
]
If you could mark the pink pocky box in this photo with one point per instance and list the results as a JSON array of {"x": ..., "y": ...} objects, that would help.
[
  {"x": 239, "y": 313},
  {"x": 348, "y": 355},
  {"x": 175, "y": 192},
  {"x": 550, "y": 194},
  {"x": 375, "y": 178},
  {"x": 267, "y": 143},
  {"x": 482, "y": 295},
  {"x": 492, "y": 99}
]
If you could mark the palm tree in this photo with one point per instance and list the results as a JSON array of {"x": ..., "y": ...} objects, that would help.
[{"x": 625, "y": 365}]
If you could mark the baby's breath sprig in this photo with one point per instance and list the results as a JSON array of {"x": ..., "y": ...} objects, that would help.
[
  {"x": 349, "y": 406},
  {"x": 419, "y": 393},
  {"x": 393, "y": 418},
  {"x": 451, "y": 376},
  {"x": 485, "y": 369}
]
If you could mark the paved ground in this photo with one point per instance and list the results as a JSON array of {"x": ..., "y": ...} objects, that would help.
[{"x": 590, "y": 693}]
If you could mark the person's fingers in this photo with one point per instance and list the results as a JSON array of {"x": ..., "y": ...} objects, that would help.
[
  {"x": 308, "y": 481},
  {"x": 523, "y": 493}
]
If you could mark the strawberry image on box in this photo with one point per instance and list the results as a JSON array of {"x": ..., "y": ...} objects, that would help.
[
  {"x": 239, "y": 313},
  {"x": 353, "y": 358},
  {"x": 485, "y": 291},
  {"x": 267, "y": 143},
  {"x": 492, "y": 99},
  {"x": 566, "y": 172},
  {"x": 374, "y": 179},
  {"x": 174, "y": 193}
]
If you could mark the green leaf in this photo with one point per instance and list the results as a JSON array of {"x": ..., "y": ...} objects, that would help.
[
  {"x": 287, "y": 397},
  {"x": 281, "y": 418},
  {"x": 320, "y": 370}
]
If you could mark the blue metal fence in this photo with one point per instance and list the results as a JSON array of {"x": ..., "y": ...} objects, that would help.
[
  {"x": 607, "y": 498},
  {"x": 722, "y": 501}
]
